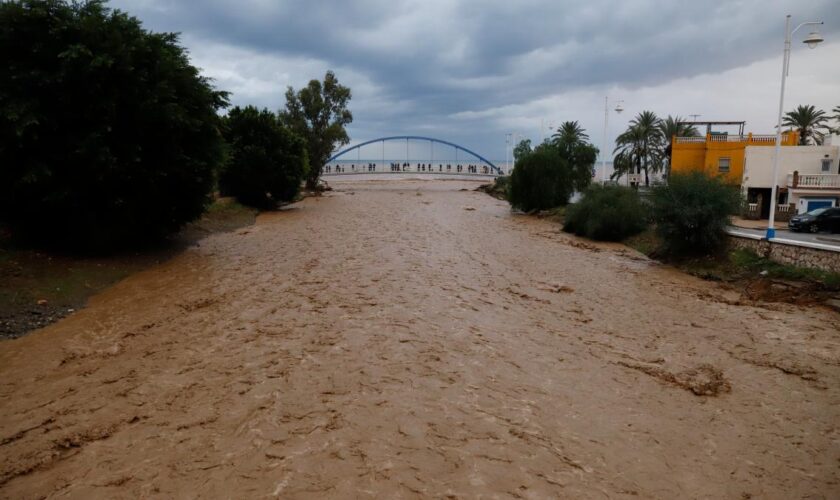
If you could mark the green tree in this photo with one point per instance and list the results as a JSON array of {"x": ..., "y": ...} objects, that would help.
[
  {"x": 569, "y": 132},
  {"x": 670, "y": 127},
  {"x": 541, "y": 180},
  {"x": 267, "y": 162},
  {"x": 692, "y": 211},
  {"x": 108, "y": 135},
  {"x": 609, "y": 213},
  {"x": 521, "y": 149},
  {"x": 836, "y": 118},
  {"x": 571, "y": 142},
  {"x": 319, "y": 114},
  {"x": 640, "y": 148},
  {"x": 811, "y": 123}
]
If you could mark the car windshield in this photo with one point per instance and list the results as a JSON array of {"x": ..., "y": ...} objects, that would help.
[{"x": 817, "y": 211}]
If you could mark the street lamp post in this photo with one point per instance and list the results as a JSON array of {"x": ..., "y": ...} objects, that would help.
[
  {"x": 508, "y": 150},
  {"x": 618, "y": 109},
  {"x": 812, "y": 40}
]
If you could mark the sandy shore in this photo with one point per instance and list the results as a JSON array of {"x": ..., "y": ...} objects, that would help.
[{"x": 408, "y": 339}]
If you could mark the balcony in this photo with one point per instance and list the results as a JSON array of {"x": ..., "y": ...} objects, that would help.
[{"x": 814, "y": 181}]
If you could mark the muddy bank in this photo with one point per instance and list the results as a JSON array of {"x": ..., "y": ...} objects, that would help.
[
  {"x": 410, "y": 340},
  {"x": 38, "y": 288}
]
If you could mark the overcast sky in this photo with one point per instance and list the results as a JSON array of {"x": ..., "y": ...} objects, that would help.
[{"x": 470, "y": 71}]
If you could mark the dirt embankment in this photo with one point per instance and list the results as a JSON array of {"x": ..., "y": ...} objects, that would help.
[
  {"x": 38, "y": 288},
  {"x": 414, "y": 340}
]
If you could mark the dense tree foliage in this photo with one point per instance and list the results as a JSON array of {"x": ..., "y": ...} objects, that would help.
[
  {"x": 547, "y": 176},
  {"x": 810, "y": 122},
  {"x": 107, "y": 133},
  {"x": 521, "y": 149},
  {"x": 319, "y": 114},
  {"x": 540, "y": 180},
  {"x": 609, "y": 213},
  {"x": 267, "y": 162},
  {"x": 692, "y": 211},
  {"x": 571, "y": 142}
]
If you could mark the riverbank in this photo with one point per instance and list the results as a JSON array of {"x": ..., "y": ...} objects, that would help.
[{"x": 38, "y": 288}]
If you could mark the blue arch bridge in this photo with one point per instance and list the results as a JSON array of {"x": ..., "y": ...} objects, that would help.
[{"x": 450, "y": 159}]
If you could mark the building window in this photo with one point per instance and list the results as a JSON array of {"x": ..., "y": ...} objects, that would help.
[
  {"x": 826, "y": 164},
  {"x": 723, "y": 165}
]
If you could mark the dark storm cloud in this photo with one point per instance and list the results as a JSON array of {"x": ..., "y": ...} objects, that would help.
[{"x": 433, "y": 59}]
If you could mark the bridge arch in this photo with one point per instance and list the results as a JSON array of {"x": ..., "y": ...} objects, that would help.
[{"x": 493, "y": 167}]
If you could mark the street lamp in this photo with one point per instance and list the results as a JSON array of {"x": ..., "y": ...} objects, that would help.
[
  {"x": 618, "y": 109},
  {"x": 812, "y": 40},
  {"x": 508, "y": 148}
]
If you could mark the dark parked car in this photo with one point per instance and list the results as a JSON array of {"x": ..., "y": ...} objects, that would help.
[{"x": 820, "y": 219}]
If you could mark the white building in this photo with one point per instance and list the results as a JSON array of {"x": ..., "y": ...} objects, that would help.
[{"x": 809, "y": 177}]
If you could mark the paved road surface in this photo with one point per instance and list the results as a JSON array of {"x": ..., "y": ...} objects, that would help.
[
  {"x": 402, "y": 340},
  {"x": 821, "y": 238}
]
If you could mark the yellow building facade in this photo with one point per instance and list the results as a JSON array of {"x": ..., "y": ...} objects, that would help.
[{"x": 720, "y": 155}]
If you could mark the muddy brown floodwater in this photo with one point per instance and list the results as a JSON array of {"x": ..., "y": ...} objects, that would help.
[{"x": 409, "y": 339}]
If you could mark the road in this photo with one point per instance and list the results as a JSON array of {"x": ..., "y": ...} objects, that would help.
[
  {"x": 829, "y": 239},
  {"x": 416, "y": 339}
]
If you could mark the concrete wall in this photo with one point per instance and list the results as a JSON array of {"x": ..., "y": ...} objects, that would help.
[
  {"x": 796, "y": 255},
  {"x": 758, "y": 163}
]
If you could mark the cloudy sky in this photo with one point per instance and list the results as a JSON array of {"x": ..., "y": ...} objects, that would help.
[{"x": 471, "y": 71}]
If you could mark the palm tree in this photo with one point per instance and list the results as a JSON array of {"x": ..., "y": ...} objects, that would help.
[
  {"x": 836, "y": 117},
  {"x": 809, "y": 121},
  {"x": 640, "y": 147},
  {"x": 569, "y": 133},
  {"x": 674, "y": 126}
]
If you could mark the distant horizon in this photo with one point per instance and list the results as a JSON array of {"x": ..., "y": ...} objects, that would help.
[{"x": 473, "y": 75}]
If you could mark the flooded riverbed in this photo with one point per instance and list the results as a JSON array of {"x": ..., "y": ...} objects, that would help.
[{"x": 416, "y": 339}]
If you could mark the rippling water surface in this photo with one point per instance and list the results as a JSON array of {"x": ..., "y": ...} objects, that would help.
[{"x": 416, "y": 339}]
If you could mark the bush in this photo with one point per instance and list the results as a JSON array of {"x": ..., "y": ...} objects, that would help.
[
  {"x": 692, "y": 211},
  {"x": 107, "y": 134},
  {"x": 540, "y": 180},
  {"x": 609, "y": 213},
  {"x": 267, "y": 161}
]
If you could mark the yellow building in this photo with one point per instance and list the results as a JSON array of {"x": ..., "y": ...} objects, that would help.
[{"x": 720, "y": 154}]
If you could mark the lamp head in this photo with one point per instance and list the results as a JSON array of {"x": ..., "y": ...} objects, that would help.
[
  {"x": 813, "y": 39},
  {"x": 619, "y": 108}
]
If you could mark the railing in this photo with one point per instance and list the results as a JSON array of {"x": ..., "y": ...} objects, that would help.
[
  {"x": 749, "y": 139},
  {"x": 764, "y": 139},
  {"x": 690, "y": 140},
  {"x": 782, "y": 208},
  {"x": 814, "y": 181}
]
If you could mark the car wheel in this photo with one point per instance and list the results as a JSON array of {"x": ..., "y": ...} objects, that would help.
[{"x": 814, "y": 228}]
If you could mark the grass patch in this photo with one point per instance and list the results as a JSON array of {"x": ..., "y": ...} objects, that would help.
[
  {"x": 557, "y": 214},
  {"x": 733, "y": 265},
  {"x": 753, "y": 263},
  {"x": 646, "y": 242},
  {"x": 498, "y": 189}
]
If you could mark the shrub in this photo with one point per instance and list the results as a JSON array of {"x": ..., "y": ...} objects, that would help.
[
  {"x": 266, "y": 163},
  {"x": 692, "y": 211},
  {"x": 609, "y": 213},
  {"x": 107, "y": 134},
  {"x": 540, "y": 180}
]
